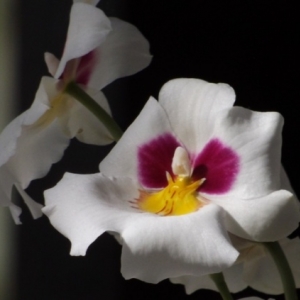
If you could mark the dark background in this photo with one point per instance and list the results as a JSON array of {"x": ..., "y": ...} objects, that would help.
[{"x": 249, "y": 44}]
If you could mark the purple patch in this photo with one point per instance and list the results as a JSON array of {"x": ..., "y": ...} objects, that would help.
[
  {"x": 155, "y": 159},
  {"x": 217, "y": 163},
  {"x": 85, "y": 67}
]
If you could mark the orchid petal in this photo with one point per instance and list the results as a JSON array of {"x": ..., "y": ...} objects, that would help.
[
  {"x": 155, "y": 159},
  {"x": 265, "y": 219},
  {"x": 94, "y": 204},
  {"x": 194, "y": 283},
  {"x": 122, "y": 161},
  {"x": 42, "y": 101},
  {"x": 13, "y": 172},
  {"x": 85, "y": 126},
  {"x": 124, "y": 52},
  {"x": 154, "y": 247},
  {"x": 35, "y": 152},
  {"x": 52, "y": 63},
  {"x": 192, "y": 106},
  {"x": 262, "y": 275},
  {"x": 219, "y": 165},
  {"x": 31, "y": 145},
  {"x": 88, "y": 29},
  {"x": 256, "y": 138},
  {"x": 9, "y": 136},
  {"x": 232, "y": 276}
]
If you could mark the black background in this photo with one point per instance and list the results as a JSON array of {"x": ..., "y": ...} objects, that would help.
[{"x": 251, "y": 45}]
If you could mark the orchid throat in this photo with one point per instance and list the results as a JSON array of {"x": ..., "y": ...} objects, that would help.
[{"x": 179, "y": 197}]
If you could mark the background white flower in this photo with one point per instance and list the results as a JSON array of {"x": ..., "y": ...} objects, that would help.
[{"x": 35, "y": 140}]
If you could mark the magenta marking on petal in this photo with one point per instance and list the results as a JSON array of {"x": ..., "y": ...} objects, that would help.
[
  {"x": 85, "y": 67},
  {"x": 155, "y": 159},
  {"x": 217, "y": 163}
]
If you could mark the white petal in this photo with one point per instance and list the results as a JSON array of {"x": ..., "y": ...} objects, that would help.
[
  {"x": 42, "y": 102},
  {"x": 82, "y": 207},
  {"x": 88, "y": 29},
  {"x": 7, "y": 181},
  {"x": 256, "y": 138},
  {"x": 124, "y": 52},
  {"x": 14, "y": 167},
  {"x": 195, "y": 283},
  {"x": 28, "y": 149},
  {"x": 262, "y": 275},
  {"x": 52, "y": 63},
  {"x": 37, "y": 149},
  {"x": 192, "y": 106},
  {"x": 265, "y": 219},
  {"x": 85, "y": 126},
  {"x": 156, "y": 248},
  {"x": 9, "y": 136},
  {"x": 232, "y": 275},
  {"x": 122, "y": 160}
]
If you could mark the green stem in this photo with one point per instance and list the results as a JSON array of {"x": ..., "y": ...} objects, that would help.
[
  {"x": 79, "y": 94},
  {"x": 218, "y": 279},
  {"x": 284, "y": 269}
]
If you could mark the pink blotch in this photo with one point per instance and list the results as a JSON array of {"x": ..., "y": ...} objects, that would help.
[
  {"x": 155, "y": 159},
  {"x": 217, "y": 163},
  {"x": 85, "y": 67}
]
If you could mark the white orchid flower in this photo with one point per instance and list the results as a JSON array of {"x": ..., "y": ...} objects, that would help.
[
  {"x": 98, "y": 50},
  {"x": 190, "y": 168}
]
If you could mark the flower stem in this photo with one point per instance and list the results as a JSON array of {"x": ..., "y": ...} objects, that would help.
[
  {"x": 79, "y": 94},
  {"x": 218, "y": 279},
  {"x": 284, "y": 269}
]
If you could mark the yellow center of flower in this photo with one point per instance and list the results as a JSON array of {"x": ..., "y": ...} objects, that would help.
[{"x": 179, "y": 197}]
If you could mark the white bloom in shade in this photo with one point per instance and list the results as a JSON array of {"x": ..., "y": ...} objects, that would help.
[
  {"x": 261, "y": 274},
  {"x": 189, "y": 169},
  {"x": 254, "y": 268},
  {"x": 98, "y": 50}
]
